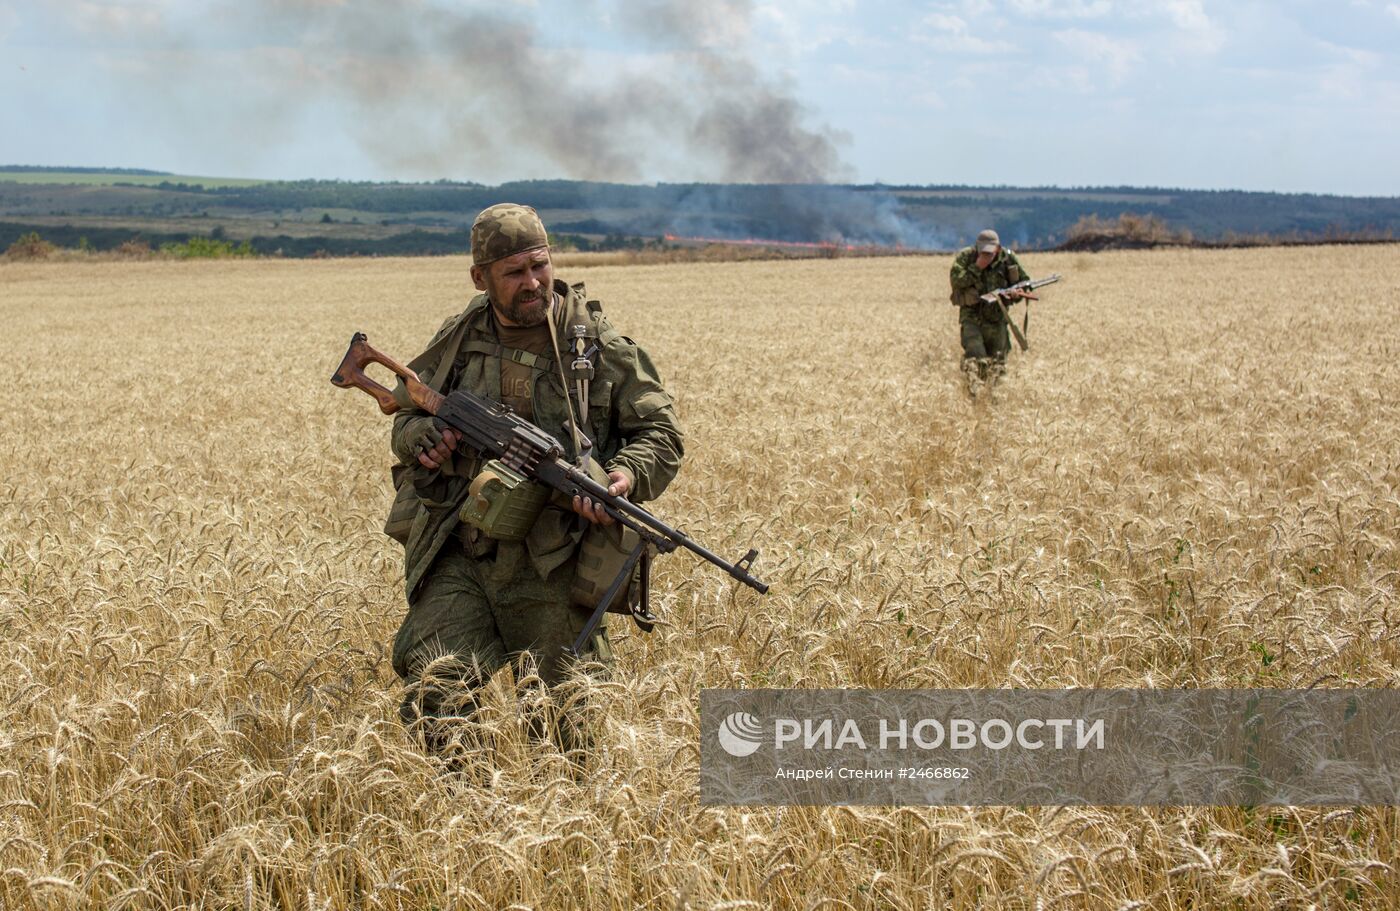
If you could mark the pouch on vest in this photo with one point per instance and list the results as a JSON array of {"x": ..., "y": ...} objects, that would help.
[
  {"x": 964, "y": 297},
  {"x": 405, "y": 507},
  {"x": 502, "y": 503},
  {"x": 601, "y": 556},
  {"x": 1013, "y": 272}
]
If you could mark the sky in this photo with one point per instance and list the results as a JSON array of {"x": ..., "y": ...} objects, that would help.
[{"x": 1286, "y": 96}]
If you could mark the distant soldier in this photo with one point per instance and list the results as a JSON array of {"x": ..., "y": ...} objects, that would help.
[
  {"x": 977, "y": 270},
  {"x": 483, "y": 594}
]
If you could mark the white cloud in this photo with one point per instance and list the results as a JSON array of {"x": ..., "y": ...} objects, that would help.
[
  {"x": 946, "y": 22},
  {"x": 1063, "y": 9},
  {"x": 1353, "y": 76},
  {"x": 787, "y": 30},
  {"x": 106, "y": 18},
  {"x": 801, "y": 27},
  {"x": 1193, "y": 31},
  {"x": 1187, "y": 14},
  {"x": 968, "y": 44},
  {"x": 953, "y": 35},
  {"x": 930, "y": 99},
  {"x": 1393, "y": 9},
  {"x": 1203, "y": 34},
  {"x": 9, "y": 21},
  {"x": 854, "y": 75},
  {"x": 1116, "y": 57}
]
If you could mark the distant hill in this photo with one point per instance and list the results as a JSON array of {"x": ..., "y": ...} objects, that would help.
[
  {"x": 33, "y": 174},
  {"x": 48, "y": 169},
  {"x": 304, "y": 217}
]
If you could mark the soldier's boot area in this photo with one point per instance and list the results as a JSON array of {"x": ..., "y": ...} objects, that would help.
[
  {"x": 972, "y": 373},
  {"x": 438, "y": 707},
  {"x": 555, "y": 708},
  {"x": 995, "y": 370}
]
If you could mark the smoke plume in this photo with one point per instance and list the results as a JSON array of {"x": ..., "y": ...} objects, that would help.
[
  {"x": 487, "y": 91},
  {"x": 434, "y": 89}
]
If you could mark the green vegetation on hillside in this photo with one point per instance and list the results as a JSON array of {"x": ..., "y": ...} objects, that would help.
[
  {"x": 108, "y": 177},
  {"x": 303, "y": 218}
]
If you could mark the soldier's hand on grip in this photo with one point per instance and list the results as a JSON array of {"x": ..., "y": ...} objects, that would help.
[
  {"x": 435, "y": 442},
  {"x": 619, "y": 485}
]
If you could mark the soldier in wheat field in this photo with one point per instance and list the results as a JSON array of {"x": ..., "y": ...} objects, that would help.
[
  {"x": 977, "y": 270},
  {"x": 485, "y": 592}
]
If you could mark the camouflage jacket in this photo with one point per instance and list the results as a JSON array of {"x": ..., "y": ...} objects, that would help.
[
  {"x": 631, "y": 419},
  {"x": 969, "y": 282}
]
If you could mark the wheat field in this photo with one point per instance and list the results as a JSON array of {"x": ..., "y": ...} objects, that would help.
[{"x": 1190, "y": 481}]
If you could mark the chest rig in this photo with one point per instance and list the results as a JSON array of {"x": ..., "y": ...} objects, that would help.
[
  {"x": 578, "y": 335},
  {"x": 502, "y": 502},
  {"x": 1001, "y": 272}
]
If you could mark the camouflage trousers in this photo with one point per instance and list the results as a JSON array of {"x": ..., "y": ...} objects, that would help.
[
  {"x": 985, "y": 340},
  {"x": 985, "y": 345},
  {"x": 473, "y": 616}
]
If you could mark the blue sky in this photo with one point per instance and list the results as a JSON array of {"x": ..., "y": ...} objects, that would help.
[{"x": 1289, "y": 95}]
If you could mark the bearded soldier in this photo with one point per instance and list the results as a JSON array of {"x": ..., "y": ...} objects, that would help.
[
  {"x": 977, "y": 270},
  {"x": 481, "y": 595}
]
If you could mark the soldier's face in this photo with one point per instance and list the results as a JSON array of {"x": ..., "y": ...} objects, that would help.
[{"x": 519, "y": 286}]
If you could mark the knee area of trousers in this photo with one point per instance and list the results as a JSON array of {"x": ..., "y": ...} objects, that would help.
[
  {"x": 436, "y": 699},
  {"x": 445, "y": 685}
]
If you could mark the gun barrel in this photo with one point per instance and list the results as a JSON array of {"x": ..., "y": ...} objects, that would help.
[{"x": 653, "y": 528}]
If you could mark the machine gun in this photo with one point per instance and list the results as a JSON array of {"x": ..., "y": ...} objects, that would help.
[
  {"x": 496, "y": 432},
  {"x": 1000, "y": 295}
]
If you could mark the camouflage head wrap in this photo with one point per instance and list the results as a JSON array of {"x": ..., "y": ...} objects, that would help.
[{"x": 506, "y": 229}]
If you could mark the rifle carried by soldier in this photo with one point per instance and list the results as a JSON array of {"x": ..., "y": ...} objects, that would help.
[
  {"x": 999, "y": 296},
  {"x": 520, "y": 450}
]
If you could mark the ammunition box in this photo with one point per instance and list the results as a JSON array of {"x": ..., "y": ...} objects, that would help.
[{"x": 502, "y": 503}]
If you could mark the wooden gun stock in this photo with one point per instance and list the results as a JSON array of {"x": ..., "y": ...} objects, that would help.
[{"x": 351, "y": 375}]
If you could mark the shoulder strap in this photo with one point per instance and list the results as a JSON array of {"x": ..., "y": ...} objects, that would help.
[
  {"x": 431, "y": 359},
  {"x": 518, "y": 355},
  {"x": 580, "y": 455}
]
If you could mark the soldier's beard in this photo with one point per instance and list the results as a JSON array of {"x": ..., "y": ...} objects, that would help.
[{"x": 528, "y": 308}]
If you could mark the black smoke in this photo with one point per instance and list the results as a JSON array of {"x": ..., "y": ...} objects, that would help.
[{"x": 432, "y": 89}]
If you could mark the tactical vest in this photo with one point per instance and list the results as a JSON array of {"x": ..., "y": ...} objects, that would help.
[
  {"x": 581, "y": 330},
  {"x": 581, "y": 335},
  {"x": 967, "y": 298}
]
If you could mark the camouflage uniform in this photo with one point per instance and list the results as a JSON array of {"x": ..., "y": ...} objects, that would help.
[
  {"x": 985, "y": 337},
  {"x": 474, "y": 602}
]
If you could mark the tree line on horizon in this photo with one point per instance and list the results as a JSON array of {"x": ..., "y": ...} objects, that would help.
[{"x": 430, "y": 218}]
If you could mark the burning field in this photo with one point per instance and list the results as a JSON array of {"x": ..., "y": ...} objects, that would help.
[{"x": 1190, "y": 481}]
